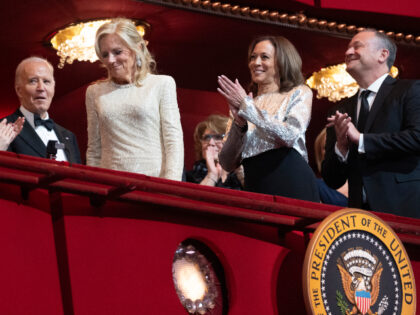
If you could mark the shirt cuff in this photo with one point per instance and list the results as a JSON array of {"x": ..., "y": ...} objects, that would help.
[
  {"x": 361, "y": 148},
  {"x": 341, "y": 158}
]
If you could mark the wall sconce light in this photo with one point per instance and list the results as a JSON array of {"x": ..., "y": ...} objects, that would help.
[
  {"x": 335, "y": 83},
  {"x": 77, "y": 41},
  {"x": 194, "y": 280}
]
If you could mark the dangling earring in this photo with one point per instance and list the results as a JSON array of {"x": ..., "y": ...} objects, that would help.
[{"x": 138, "y": 61}]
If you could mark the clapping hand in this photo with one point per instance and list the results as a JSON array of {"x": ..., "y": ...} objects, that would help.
[
  {"x": 234, "y": 94},
  {"x": 340, "y": 122},
  {"x": 9, "y": 131},
  {"x": 211, "y": 155},
  {"x": 18, "y": 125},
  {"x": 345, "y": 130}
]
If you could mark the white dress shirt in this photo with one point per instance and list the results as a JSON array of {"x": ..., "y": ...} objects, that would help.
[
  {"x": 373, "y": 88},
  {"x": 45, "y": 134}
]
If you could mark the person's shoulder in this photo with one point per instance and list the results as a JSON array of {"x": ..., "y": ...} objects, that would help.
[
  {"x": 407, "y": 83},
  {"x": 304, "y": 88},
  {"x": 161, "y": 78},
  {"x": 58, "y": 126},
  {"x": 301, "y": 89},
  {"x": 13, "y": 116},
  {"x": 63, "y": 130},
  {"x": 96, "y": 85},
  {"x": 398, "y": 89}
]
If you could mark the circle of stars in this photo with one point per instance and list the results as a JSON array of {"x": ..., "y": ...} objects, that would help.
[{"x": 367, "y": 237}]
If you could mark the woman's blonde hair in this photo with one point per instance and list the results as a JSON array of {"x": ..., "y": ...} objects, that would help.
[
  {"x": 216, "y": 123},
  {"x": 127, "y": 32}
]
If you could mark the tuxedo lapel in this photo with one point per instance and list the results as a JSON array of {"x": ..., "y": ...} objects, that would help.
[
  {"x": 29, "y": 136},
  {"x": 383, "y": 92},
  {"x": 64, "y": 138}
]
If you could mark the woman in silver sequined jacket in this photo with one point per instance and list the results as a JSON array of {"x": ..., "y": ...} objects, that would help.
[{"x": 268, "y": 125}]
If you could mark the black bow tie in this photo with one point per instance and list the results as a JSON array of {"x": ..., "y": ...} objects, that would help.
[{"x": 47, "y": 123}]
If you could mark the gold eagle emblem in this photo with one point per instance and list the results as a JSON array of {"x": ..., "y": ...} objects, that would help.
[{"x": 360, "y": 277}]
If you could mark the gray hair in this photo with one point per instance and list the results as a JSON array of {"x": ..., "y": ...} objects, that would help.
[
  {"x": 383, "y": 41},
  {"x": 21, "y": 65}
]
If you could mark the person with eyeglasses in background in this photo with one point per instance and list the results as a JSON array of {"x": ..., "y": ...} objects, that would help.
[{"x": 208, "y": 142}]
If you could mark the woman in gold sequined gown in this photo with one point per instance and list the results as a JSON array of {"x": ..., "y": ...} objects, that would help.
[{"x": 267, "y": 131}]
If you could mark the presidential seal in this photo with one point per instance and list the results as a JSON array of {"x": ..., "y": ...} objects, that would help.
[{"x": 355, "y": 264}]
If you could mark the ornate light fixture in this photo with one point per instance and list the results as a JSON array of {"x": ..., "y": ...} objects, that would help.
[
  {"x": 76, "y": 41},
  {"x": 335, "y": 83},
  {"x": 194, "y": 280}
]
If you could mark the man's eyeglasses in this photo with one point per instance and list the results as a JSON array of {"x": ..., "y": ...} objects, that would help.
[{"x": 215, "y": 137}]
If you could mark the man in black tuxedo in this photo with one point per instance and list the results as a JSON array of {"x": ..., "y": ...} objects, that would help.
[
  {"x": 35, "y": 86},
  {"x": 380, "y": 154}
]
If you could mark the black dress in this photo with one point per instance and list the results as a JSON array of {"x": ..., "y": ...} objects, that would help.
[{"x": 282, "y": 172}]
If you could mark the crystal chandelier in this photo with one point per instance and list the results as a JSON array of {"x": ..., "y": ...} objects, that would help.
[
  {"x": 335, "y": 83},
  {"x": 77, "y": 41}
]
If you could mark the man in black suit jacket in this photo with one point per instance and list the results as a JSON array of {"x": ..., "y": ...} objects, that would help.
[
  {"x": 35, "y": 86},
  {"x": 381, "y": 157}
]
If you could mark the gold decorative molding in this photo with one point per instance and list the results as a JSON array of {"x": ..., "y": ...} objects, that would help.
[
  {"x": 335, "y": 83},
  {"x": 298, "y": 20}
]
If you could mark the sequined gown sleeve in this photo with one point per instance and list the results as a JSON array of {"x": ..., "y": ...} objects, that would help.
[
  {"x": 274, "y": 120},
  {"x": 135, "y": 129},
  {"x": 277, "y": 120},
  {"x": 93, "y": 152},
  {"x": 231, "y": 155},
  {"x": 172, "y": 132}
]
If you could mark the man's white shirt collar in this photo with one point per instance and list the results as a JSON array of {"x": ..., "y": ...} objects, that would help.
[
  {"x": 374, "y": 87},
  {"x": 29, "y": 116}
]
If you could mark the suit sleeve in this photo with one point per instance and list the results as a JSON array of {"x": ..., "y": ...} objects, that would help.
[
  {"x": 170, "y": 121},
  {"x": 93, "y": 152},
  {"x": 333, "y": 171},
  {"x": 69, "y": 139},
  {"x": 401, "y": 133},
  {"x": 77, "y": 158}
]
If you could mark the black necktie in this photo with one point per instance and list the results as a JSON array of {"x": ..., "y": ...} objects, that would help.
[
  {"x": 47, "y": 123},
  {"x": 364, "y": 110}
]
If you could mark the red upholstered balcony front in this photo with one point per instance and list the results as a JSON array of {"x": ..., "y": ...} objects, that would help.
[{"x": 83, "y": 240}]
